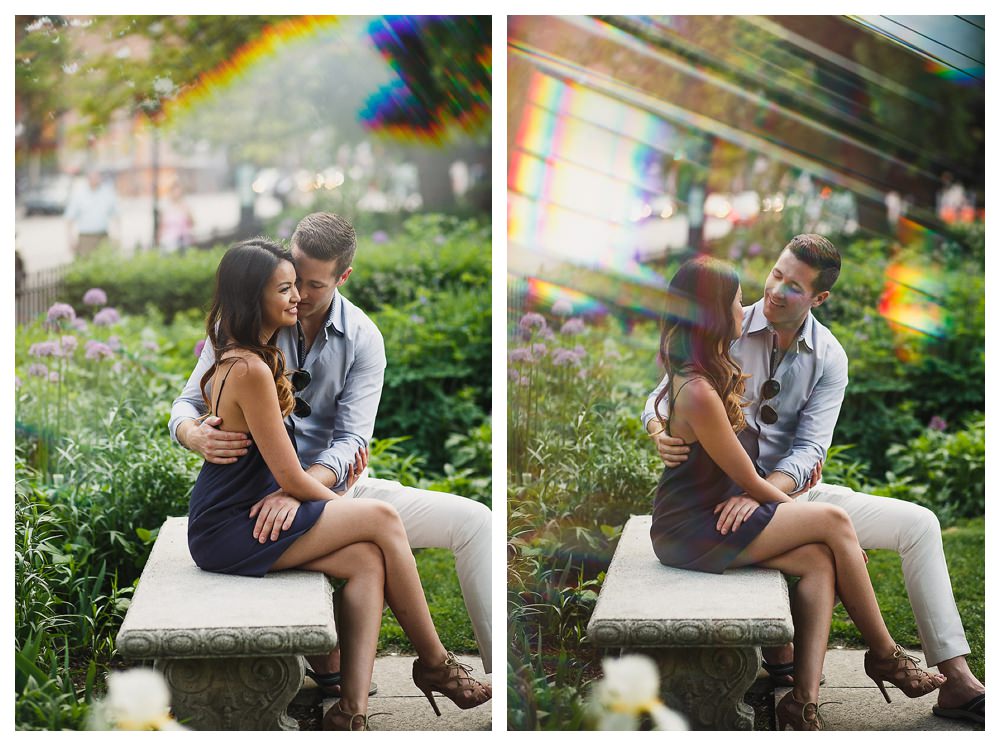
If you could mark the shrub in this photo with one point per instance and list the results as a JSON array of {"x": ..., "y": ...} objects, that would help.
[{"x": 425, "y": 253}]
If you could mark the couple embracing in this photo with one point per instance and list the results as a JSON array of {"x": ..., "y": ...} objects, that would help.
[
  {"x": 743, "y": 419},
  {"x": 282, "y": 406}
]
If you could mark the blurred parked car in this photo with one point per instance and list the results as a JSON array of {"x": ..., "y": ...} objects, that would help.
[{"x": 49, "y": 197}]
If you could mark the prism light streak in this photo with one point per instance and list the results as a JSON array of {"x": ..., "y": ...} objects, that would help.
[
  {"x": 272, "y": 40},
  {"x": 582, "y": 165}
]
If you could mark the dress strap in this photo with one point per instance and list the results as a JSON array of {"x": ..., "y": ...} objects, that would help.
[
  {"x": 222, "y": 385},
  {"x": 674, "y": 394}
]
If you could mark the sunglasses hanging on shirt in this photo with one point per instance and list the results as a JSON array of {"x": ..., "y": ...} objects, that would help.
[
  {"x": 771, "y": 387},
  {"x": 300, "y": 377}
]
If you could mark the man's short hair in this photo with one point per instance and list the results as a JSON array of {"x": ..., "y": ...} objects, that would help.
[
  {"x": 326, "y": 237},
  {"x": 817, "y": 251}
]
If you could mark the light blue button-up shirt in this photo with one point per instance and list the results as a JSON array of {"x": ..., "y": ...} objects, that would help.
[
  {"x": 813, "y": 377},
  {"x": 347, "y": 364}
]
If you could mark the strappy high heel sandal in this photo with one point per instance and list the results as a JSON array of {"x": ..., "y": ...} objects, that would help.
[
  {"x": 789, "y": 711},
  {"x": 451, "y": 679},
  {"x": 900, "y": 670},
  {"x": 337, "y": 718}
]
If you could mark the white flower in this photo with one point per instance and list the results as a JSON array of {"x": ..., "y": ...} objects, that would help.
[
  {"x": 138, "y": 699},
  {"x": 630, "y": 689}
]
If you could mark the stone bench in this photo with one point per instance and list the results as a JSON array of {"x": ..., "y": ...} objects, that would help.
[
  {"x": 703, "y": 630},
  {"x": 229, "y": 647}
]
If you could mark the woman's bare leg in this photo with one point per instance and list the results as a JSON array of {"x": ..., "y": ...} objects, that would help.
[
  {"x": 812, "y": 610},
  {"x": 350, "y": 520},
  {"x": 359, "y": 616},
  {"x": 796, "y": 524}
]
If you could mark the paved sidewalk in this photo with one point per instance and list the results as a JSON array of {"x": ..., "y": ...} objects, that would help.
[
  {"x": 862, "y": 706},
  {"x": 407, "y": 708}
]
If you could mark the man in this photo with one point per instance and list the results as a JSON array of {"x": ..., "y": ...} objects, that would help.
[
  {"x": 89, "y": 213},
  {"x": 343, "y": 351},
  {"x": 782, "y": 342}
]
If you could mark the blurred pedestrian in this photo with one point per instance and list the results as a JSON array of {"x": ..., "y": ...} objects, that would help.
[
  {"x": 176, "y": 222},
  {"x": 89, "y": 212}
]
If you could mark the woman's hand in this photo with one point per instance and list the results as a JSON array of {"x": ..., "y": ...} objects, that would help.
[
  {"x": 734, "y": 512},
  {"x": 355, "y": 469},
  {"x": 275, "y": 514}
]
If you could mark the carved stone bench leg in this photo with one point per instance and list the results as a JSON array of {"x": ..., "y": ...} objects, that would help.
[
  {"x": 233, "y": 693},
  {"x": 708, "y": 684}
]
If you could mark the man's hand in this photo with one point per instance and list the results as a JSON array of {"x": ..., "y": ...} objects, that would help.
[
  {"x": 734, "y": 512},
  {"x": 355, "y": 469},
  {"x": 275, "y": 514},
  {"x": 672, "y": 451},
  {"x": 215, "y": 446}
]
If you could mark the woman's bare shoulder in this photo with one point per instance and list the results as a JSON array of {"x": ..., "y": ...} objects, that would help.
[
  {"x": 246, "y": 367},
  {"x": 697, "y": 393}
]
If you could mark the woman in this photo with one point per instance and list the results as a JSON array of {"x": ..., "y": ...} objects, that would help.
[
  {"x": 814, "y": 541},
  {"x": 361, "y": 541}
]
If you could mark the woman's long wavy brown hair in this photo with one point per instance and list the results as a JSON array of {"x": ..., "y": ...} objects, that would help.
[
  {"x": 235, "y": 320},
  {"x": 698, "y": 330}
]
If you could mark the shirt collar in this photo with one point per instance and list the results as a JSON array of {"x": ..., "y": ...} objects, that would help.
[
  {"x": 337, "y": 315},
  {"x": 758, "y": 323}
]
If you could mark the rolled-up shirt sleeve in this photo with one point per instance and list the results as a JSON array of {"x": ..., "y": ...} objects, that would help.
[
  {"x": 190, "y": 405},
  {"x": 357, "y": 406},
  {"x": 817, "y": 421},
  {"x": 649, "y": 412}
]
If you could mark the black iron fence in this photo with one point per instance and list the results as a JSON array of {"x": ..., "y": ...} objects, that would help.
[{"x": 35, "y": 292}]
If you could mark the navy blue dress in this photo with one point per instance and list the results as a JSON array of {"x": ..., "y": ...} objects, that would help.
[
  {"x": 683, "y": 527},
  {"x": 220, "y": 530}
]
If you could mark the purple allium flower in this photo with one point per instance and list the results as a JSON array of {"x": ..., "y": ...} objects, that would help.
[
  {"x": 380, "y": 237},
  {"x": 735, "y": 251},
  {"x": 53, "y": 376},
  {"x": 97, "y": 350},
  {"x": 114, "y": 343},
  {"x": 539, "y": 349},
  {"x": 562, "y": 307},
  {"x": 579, "y": 352},
  {"x": 61, "y": 311},
  {"x": 937, "y": 423},
  {"x": 532, "y": 320},
  {"x": 68, "y": 344},
  {"x": 79, "y": 324},
  {"x": 547, "y": 333},
  {"x": 39, "y": 370},
  {"x": 572, "y": 326},
  {"x": 422, "y": 299},
  {"x": 562, "y": 356},
  {"x": 117, "y": 367},
  {"x": 151, "y": 345},
  {"x": 198, "y": 347},
  {"x": 416, "y": 319},
  {"x": 754, "y": 250},
  {"x": 95, "y": 297},
  {"x": 106, "y": 317},
  {"x": 520, "y": 355},
  {"x": 44, "y": 349},
  {"x": 17, "y": 382},
  {"x": 513, "y": 375},
  {"x": 582, "y": 374}
]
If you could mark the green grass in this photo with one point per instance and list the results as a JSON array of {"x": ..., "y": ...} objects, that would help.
[
  {"x": 444, "y": 598},
  {"x": 964, "y": 547}
]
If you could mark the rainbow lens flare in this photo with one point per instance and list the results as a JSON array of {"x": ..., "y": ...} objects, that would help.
[{"x": 416, "y": 106}]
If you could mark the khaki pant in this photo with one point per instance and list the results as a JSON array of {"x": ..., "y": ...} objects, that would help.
[
  {"x": 87, "y": 243},
  {"x": 914, "y": 532},
  {"x": 439, "y": 519}
]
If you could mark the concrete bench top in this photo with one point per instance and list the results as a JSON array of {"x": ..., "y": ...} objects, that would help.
[
  {"x": 181, "y": 611},
  {"x": 646, "y": 604}
]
